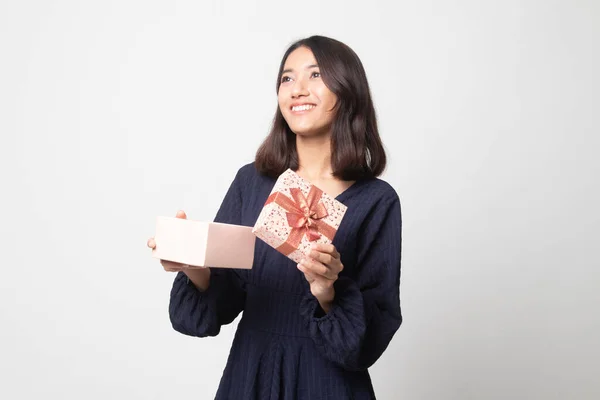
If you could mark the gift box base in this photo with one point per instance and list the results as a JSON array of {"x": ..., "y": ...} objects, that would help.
[{"x": 204, "y": 244}]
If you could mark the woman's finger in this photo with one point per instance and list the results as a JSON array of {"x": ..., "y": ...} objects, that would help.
[
  {"x": 327, "y": 248},
  {"x": 334, "y": 264},
  {"x": 318, "y": 268},
  {"x": 310, "y": 277},
  {"x": 151, "y": 243},
  {"x": 324, "y": 258},
  {"x": 171, "y": 266}
]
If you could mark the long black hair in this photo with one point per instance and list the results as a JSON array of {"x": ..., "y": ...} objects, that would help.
[{"x": 356, "y": 148}]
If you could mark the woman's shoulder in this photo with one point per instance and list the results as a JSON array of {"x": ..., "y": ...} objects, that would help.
[
  {"x": 246, "y": 170},
  {"x": 378, "y": 190},
  {"x": 248, "y": 176}
]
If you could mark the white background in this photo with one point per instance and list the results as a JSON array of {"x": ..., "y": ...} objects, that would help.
[{"x": 114, "y": 112}]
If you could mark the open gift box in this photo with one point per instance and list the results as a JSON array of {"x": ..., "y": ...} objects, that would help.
[{"x": 204, "y": 244}]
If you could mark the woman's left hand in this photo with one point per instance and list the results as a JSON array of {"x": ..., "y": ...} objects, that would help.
[{"x": 321, "y": 270}]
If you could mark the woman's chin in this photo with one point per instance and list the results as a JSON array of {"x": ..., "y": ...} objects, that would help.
[{"x": 306, "y": 132}]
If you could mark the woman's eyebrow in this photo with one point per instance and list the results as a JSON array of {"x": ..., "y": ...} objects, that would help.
[{"x": 292, "y": 70}]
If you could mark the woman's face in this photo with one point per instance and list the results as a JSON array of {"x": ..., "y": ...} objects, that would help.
[{"x": 304, "y": 100}]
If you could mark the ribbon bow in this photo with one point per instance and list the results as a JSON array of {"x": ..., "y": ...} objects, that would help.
[{"x": 304, "y": 216}]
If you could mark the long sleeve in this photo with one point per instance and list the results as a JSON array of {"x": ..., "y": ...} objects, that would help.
[
  {"x": 366, "y": 309},
  {"x": 197, "y": 313}
]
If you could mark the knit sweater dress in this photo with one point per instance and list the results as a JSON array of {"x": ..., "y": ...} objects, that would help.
[{"x": 285, "y": 346}]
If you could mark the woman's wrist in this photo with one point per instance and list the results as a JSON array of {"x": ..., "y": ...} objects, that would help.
[
  {"x": 326, "y": 300},
  {"x": 200, "y": 277}
]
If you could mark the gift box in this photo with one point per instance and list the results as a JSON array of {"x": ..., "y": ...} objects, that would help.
[
  {"x": 204, "y": 244},
  {"x": 297, "y": 214}
]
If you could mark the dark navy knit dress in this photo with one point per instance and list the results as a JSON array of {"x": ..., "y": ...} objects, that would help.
[{"x": 285, "y": 346}]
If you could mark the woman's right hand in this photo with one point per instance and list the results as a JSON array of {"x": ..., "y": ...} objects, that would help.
[
  {"x": 171, "y": 266},
  {"x": 200, "y": 276}
]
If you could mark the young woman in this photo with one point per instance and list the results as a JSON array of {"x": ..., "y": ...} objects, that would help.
[{"x": 309, "y": 330}]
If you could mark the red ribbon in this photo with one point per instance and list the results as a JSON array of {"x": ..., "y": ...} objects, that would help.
[{"x": 304, "y": 215}]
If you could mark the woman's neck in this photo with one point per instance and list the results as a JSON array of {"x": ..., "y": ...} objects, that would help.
[{"x": 314, "y": 157}]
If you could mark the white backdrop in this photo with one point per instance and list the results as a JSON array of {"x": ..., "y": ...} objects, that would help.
[{"x": 113, "y": 112}]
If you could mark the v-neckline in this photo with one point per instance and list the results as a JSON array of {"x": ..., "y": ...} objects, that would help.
[
  {"x": 342, "y": 196},
  {"x": 346, "y": 192}
]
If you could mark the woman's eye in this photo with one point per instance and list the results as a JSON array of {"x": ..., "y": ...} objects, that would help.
[
  {"x": 285, "y": 79},
  {"x": 316, "y": 75}
]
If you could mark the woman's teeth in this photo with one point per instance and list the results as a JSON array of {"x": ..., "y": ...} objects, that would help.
[{"x": 303, "y": 107}]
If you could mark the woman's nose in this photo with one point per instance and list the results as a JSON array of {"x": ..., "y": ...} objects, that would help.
[{"x": 299, "y": 88}]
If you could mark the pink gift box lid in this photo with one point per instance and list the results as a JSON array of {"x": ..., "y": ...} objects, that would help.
[{"x": 272, "y": 225}]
